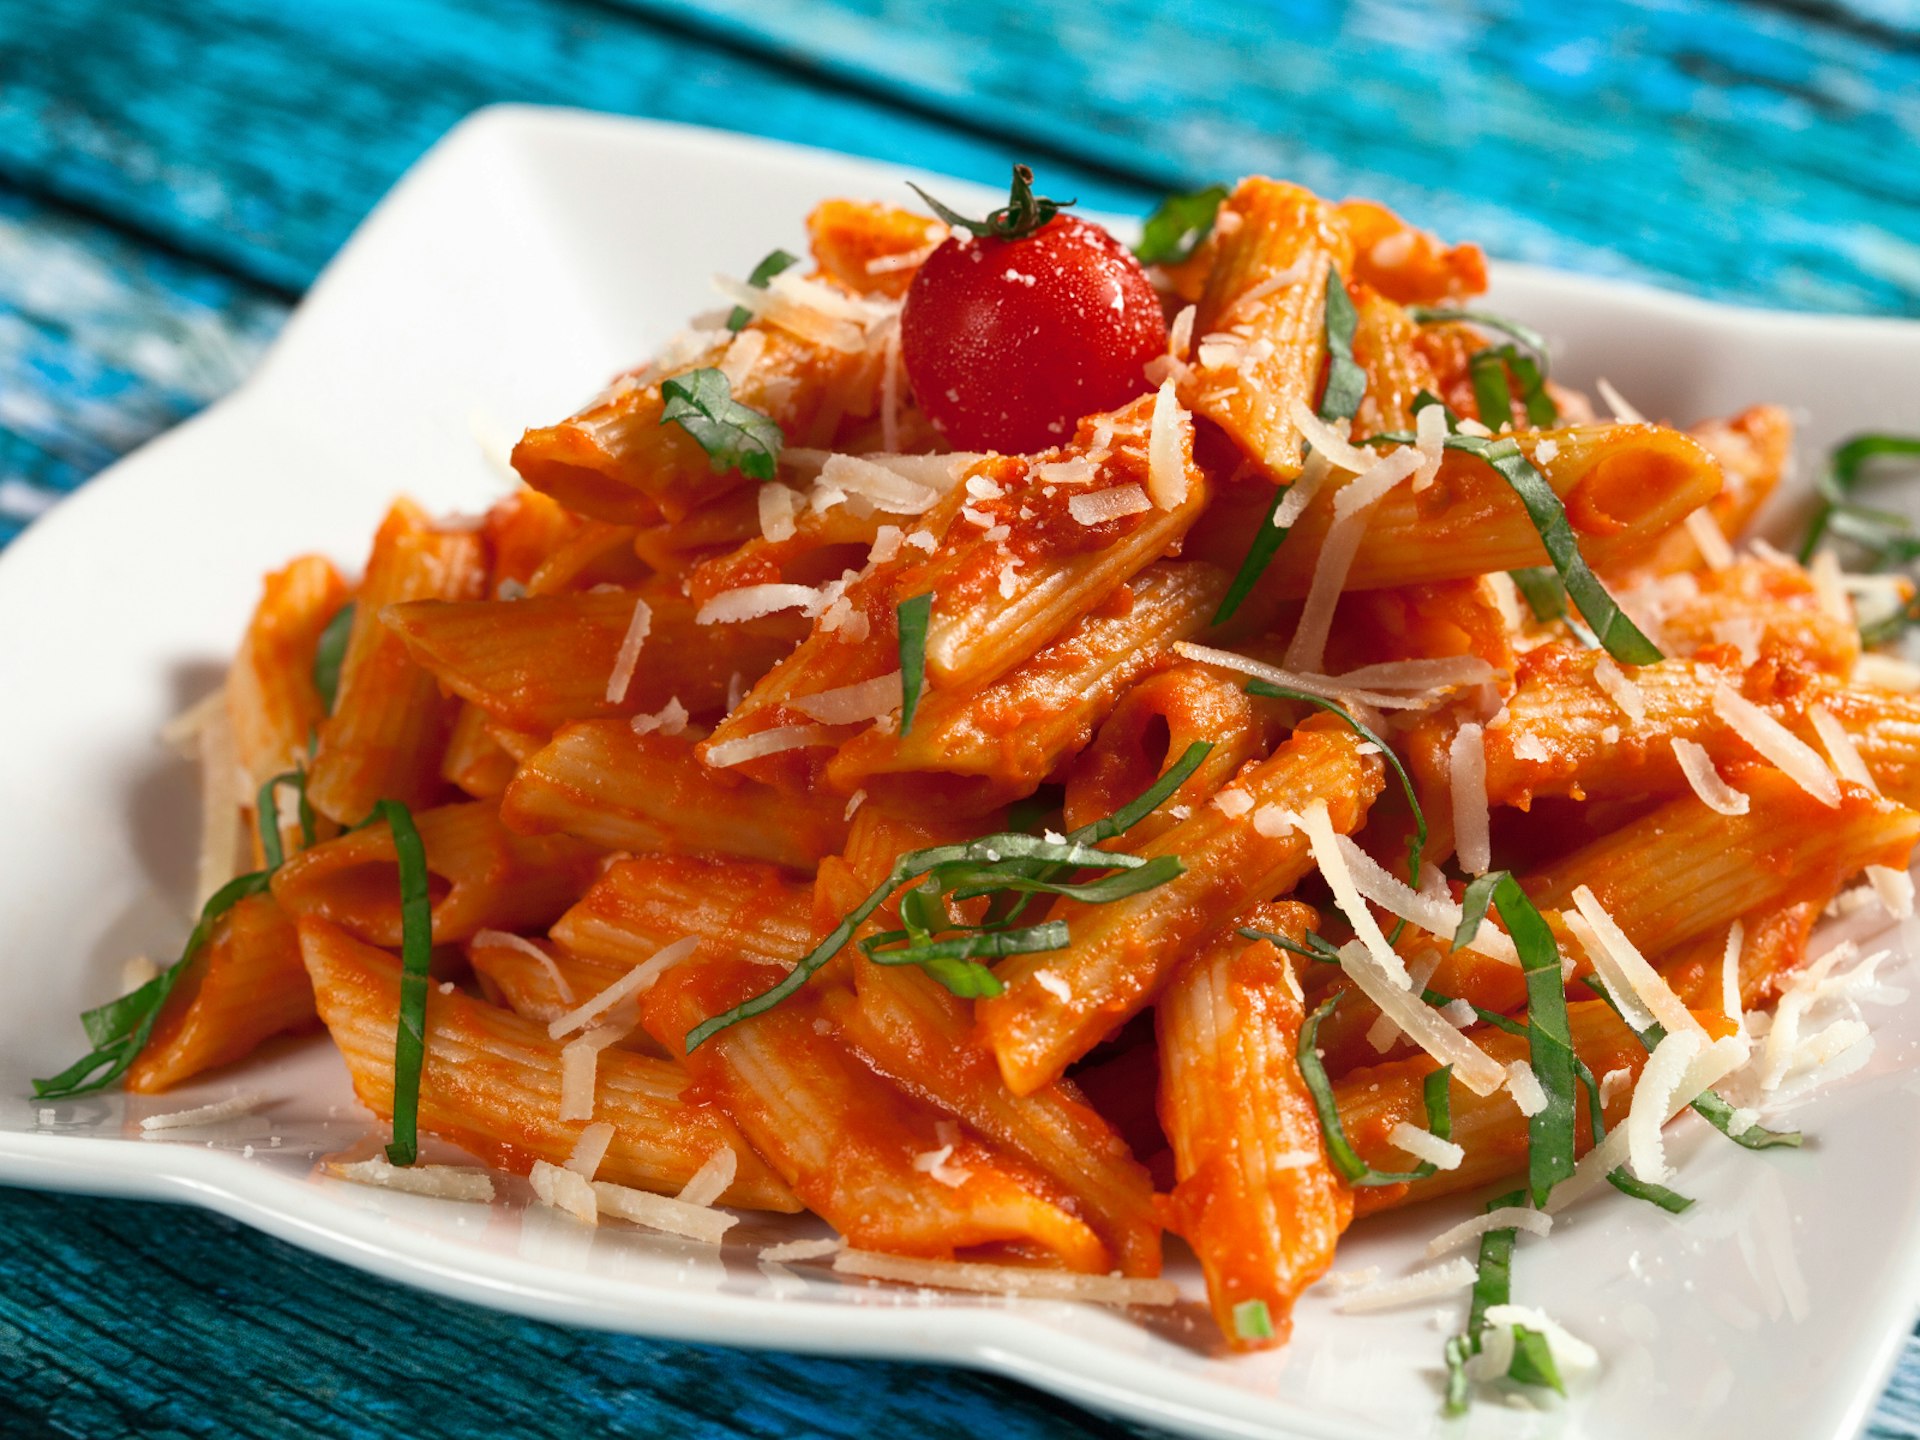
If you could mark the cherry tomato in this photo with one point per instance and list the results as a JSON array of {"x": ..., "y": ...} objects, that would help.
[{"x": 1009, "y": 339}]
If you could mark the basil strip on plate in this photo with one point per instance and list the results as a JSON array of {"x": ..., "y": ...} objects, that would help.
[
  {"x": 1178, "y": 226},
  {"x": 913, "y": 615},
  {"x": 416, "y": 953},
  {"x": 1340, "y": 400},
  {"x": 774, "y": 262},
  {"x": 734, "y": 436},
  {"x": 120, "y": 1029}
]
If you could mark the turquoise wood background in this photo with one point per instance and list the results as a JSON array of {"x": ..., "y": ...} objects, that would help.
[{"x": 172, "y": 175}]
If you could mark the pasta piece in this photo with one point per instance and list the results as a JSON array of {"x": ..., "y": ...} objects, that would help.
[
  {"x": 1766, "y": 608},
  {"x": 1406, "y": 264},
  {"x": 491, "y": 1083},
  {"x": 1261, "y": 319},
  {"x": 975, "y": 749},
  {"x": 636, "y": 906},
  {"x": 245, "y": 985},
  {"x": 871, "y": 248},
  {"x": 539, "y": 663},
  {"x": 601, "y": 782},
  {"x": 1058, "y": 1005},
  {"x": 476, "y": 761},
  {"x": 1753, "y": 449},
  {"x": 483, "y": 877},
  {"x": 272, "y": 702},
  {"x": 845, "y": 1139},
  {"x": 390, "y": 722},
  {"x": 1257, "y": 1199},
  {"x": 1383, "y": 345}
]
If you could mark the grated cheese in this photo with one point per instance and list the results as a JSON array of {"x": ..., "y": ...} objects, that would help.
[
  {"x": 1709, "y": 539},
  {"x": 636, "y": 981},
  {"x": 1653, "y": 1102},
  {"x": 1313, "y": 477},
  {"x": 1327, "y": 687},
  {"x": 1328, "y": 441},
  {"x": 1509, "y": 1217},
  {"x": 580, "y": 1068},
  {"x": 1232, "y": 803},
  {"x": 1730, "y": 1002},
  {"x": 1180, "y": 333},
  {"x": 1625, "y": 695},
  {"x": 750, "y": 602},
  {"x": 866, "y": 700},
  {"x": 1054, "y": 985},
  {"x": 1472, "y": 817},
  {"x": 1273, "y": 822},
  {"x": 1779, "y": 746},
  {"x": 1425, "y": 1146},
  {"x": 657, "y": 1212},
  {"x": 1715, "y": 793},
  {"x": 564, "y": 1190},
  {"x": 1894, "y": 889},
  {"x": 711, "y": 1180},
  {"x": 212, "y": 1114},
  {"x": 933, "y": 1163},
  {"x": 885, "y": 486},
  {"x": 1422, "y": 1024},
  {"x": 1842, "y": 753},
  {"x": 854, "y": 802},
  {"x": 1612, "y": 1084},
  {"x": 1570, "y": 1354},
  {"x": 1617, "y": 403},
  {"x": 444, "y": 1182},
  {"x": 590, "y": 1149},
  {"x": 1111, "y": 504},
  {"x": 1007, "y": 1279},
  {"x": 778, "y": 505},
  {"x": 504, "y": 940},
  {"x": 1634, "y": 984},
  {"x": 1430, "y": 439},
  {"x": 766, "y": 742},
  {"x": 1525, "y": 1088},
  {"x": 789, "y": 1251},
  {"x": 670, "y": 719},
  {"x": 1332, "y": 862},
  {"x": 1436, "y": 1280},
  {"x": 1166, "y": 470},
  {"x": 1829, "y": 587}
]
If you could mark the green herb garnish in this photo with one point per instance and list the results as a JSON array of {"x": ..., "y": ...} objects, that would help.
[
  {"x": 1532, "y": 1362},
  {"x": 1252, "y": 1321},
  {"x": 1540, "y": 587},
  {"x": 1340, "y": 400},
  {"x": 914, "y": 613},
  {"x": 267, "y": 814},
  {"x": 734, "y": 436},
  {"x": 331, "y": 653},
  {"x": 1531, "y": 338},
  {"x": 121, "y": 1028},
  {"x": 1023, "y": 214},
  {"x": 416, "y": 951},
  {"x": 775, "y": 262},
  {"x": 1179, "y": 226},
  {"x": 1345, "y": 1159},
  {"x": 1006, "y": 866}
]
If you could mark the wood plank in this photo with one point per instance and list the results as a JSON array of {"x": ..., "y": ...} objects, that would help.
[
  {"x": 222, "y": 1331},
  {"x": 104, "y": 342},
  {"x": 1737, "y": 150},
  {"x": 256, "y": 136}
]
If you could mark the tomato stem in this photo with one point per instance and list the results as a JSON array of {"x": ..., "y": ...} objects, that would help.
[{"x": 1022, "y": 215}]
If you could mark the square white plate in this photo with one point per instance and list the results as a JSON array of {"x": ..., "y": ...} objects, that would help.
[{"x": 526, "y": 259}]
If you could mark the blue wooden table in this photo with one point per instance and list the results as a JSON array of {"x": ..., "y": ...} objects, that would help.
[{"x": 172, "y": 176}]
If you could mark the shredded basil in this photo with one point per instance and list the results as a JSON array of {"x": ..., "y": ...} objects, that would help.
[
  {"x": 331, "y": 653},
  {"x": 1546, "y": 597},
  {"x": 1624, "y": 1180},
  {"x": 1489, "y": 371},
  {"x": 1881, "y": 539},
  {"x": 913, "y": 614},
  {"x": 1345, "y": 1159},
  {"x": 1473, "y": 907},
  {"x": 774, "y": 262},
  {"x": 1417, "y": 842},
  {"x": 1252, "y": 1321},
  {"x": 1006, "y": 866},
  {"x": 1317, "y": 948},
  {"x": 1023, "y": 214},
  {"x": 1340, "y": 400},
  {"x": 1531, "y": 338},
  {"x": 416, "y": 951},
  {"x": 120, "y": 1029},
  {"x": 1532, "y": 1362},
  {"x": 267, "y": 813},
  {"x": 1179, "y": 226},
  {"x": 734, "y": 436},
  {"x": 1710, "y": 1105}
]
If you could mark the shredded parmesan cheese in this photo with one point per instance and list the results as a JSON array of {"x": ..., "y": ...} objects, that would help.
[
  {"x": 1625, "y": 695},
  {"x": 1842, "y": 753},
  {"x": 1730, "y": 1002},
  {"x": 750, "y": 602},
  {"x": 789, "y": 1251},
  {"x": 504, "y": 940},
  {"x": 444, "y": 1182},
  {"x": 564, "y": 1190},
  {"x": 1715, "y": 793},
  {"x": 1429, "y": 1284},
  {"x": 1232, "y": 803},
  {"x": 1894, "y": 889},
  {"x": 1472, "y": 817},
  {"x": 590, "y": 1149},
  {"x": 1637, "y": 987},
  {"x": 1422, "y": 1024},
  {"x": 885, "y": 486},
  {"x": 580, "y": 1068},
  {"x": 1653, "y": 1102},
  {"x": 657, "y": 1212},
  {"x": 1293, "y": 504},
  {"x": 778, "y": 506},
  {"x": 1426, "y": 1147},
  {"x": 1709, "y": 539},
  {"x": 670, "y": 719},
  {"x": 1430, "y": 439},
  {"x": 1332, "y": 863},
  {"x": 710, "y": 1181},
  {"x": 1777, "y": 745},
  {"x": 1510, "y": 1217},
  {"x": 212, "y": 1114},
  {"x": 1617, "y": 403},
  {"x": 1328, "y": 441},
  {"x": 766, "y": 742},
  {"x": 1100, "y": 506},
  {"x": 1525, "y": 1088},
  {"x": 1007, "y": 1279},
  {"x": 636, "y": 981},
  {"x": 629, "y": 656},
  {"x": 867, "y": 700},
  {"x": 1166, "y": 470}
]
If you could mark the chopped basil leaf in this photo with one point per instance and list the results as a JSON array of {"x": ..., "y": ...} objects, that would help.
[
  {"x": 1179, "y": 226},
  {"x": 1456, "y": 1353},
  {"x": 330, "y": 654},
  {"x": 1623, "y": 1180},
  {"x": 267, "y": 813},
  {"x": 1491, "y": 397},
  {"x": 1147, "y": 801},
  {"x": 1340, "y": 1152},
  {"x": 1611, "y": 626},
  {"x": 1001, "y": 865},
  {"x": 1546, "y": 597},
  {"x": 1550, "y": 1133},
  {"x": 1340, "y": 400},
  {"x": 1533, "y": 1360},
  {"x": 416, "y": 951},
  {"x": 775, "y": 262},
  {"x": 1024, "y": 212},
  {"x": 913, "y": 614},
  {"x": 1417, "y": 842},
  {"x": 734, "y": 436},
  {"x": 1473, "y": 907},
  {"x": 120, "y": 1029},
  {"x": 1252, "y": 1321},
  {"x": 1531, "y": 338},
  {"x": 899, "y": 947},
  {"x": 1710, "y": 1105},
  {"x": 1316, "y": 948},
  {"x": 1872, "y": 527}
]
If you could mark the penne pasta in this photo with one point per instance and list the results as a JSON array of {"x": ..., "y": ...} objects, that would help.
[{"x": 272, "y": 703}]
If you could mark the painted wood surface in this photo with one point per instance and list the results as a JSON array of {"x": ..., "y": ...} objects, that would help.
[{"x": 172, "y": 177}]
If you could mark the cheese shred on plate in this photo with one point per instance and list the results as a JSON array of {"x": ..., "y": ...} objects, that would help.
[{"x": 1007, "y": 1279}]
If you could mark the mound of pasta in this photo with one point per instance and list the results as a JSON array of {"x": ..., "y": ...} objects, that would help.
[{"x": 1018, "y": 747}]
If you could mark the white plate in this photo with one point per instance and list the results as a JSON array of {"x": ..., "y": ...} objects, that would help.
[{"x": 526, "y": 259}]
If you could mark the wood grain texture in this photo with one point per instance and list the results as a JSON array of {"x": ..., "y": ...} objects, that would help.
[{"x": 173, "y": 175}]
